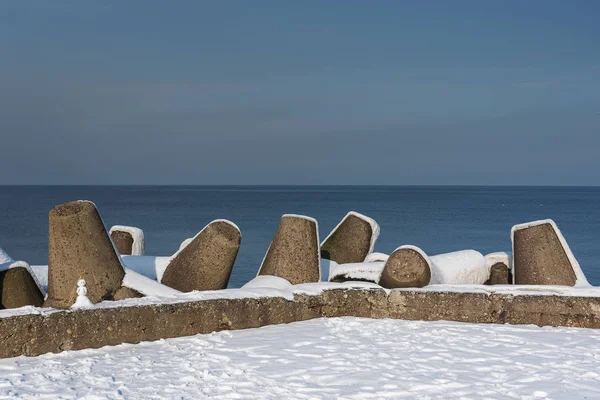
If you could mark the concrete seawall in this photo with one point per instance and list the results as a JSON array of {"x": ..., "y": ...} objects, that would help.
[{"x": 38, "y": 333}]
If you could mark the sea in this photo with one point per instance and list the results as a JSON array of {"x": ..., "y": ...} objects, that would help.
[{"x": 438, "y": 219}]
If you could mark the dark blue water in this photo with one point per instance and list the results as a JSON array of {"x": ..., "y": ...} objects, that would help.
[{"x": 437, "y": 219}]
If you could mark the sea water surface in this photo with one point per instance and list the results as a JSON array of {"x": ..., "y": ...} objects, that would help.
[{"x": 437, "y": 219}]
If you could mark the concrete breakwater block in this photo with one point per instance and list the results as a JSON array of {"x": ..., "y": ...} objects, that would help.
[
  {"x": 407, "y": 266},
  {"x": 352, "y": 240},
  {"x": 128, "y": 240},
  {"x": 18, "y": 284},
  {"x": 541, "y": 256},
  {"x": 79, "y": 248},
  {"x": 294, "y": 252},
  {"x": 206, "y": 262}
]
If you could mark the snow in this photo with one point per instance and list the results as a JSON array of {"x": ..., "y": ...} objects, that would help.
[
  {"x": 374, "y": 228},
  {"x": 369, "y": 271},
  {"x": 466, "y": 266},
  {"x": 375, "y": 257},
  {"x": 82, "y": 300},
  {"x": 137, "y": 248},
  {"x": 499, "y": 257},
  {"x": 4, "y": 257},
  {"x": 147, "y": 286},
  {"x": 318, "y": 246},
  {"x": 184, "y": 244},
  {"x": 7, "y": 263},
  {"x": 149, "y": 266},
  {"x": 268, "y": 281},
  {"x": 581, "y": 280},
  {"x": 338, "y": 358}
]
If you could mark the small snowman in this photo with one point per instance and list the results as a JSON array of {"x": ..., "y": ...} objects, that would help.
[{"x": 82, "y": 299}]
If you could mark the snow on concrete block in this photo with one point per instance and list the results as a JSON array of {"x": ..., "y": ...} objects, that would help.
[
  {"x": 407, "y": 266},
  {"x": 459, "y": 267},
  {"x": 80, "y": 248},
  {"x": 184, "y": 244},
  {"x": 138, "y": 283},
  {"x": 294, "y": 252},
  {"x": 268, "y": 281},
  {"x": 4, "y": 257},
  {"x": 500, "y": 266},
  {"x": 128, "y": 240},
  {"x": 18, "y": 284},
  {"x": 362, "y": 272},
  {"x": 377, "y": 257},
  {"x": 541, "y": 256},
  {"x": 207, "y": 261},
  {"x": 352, "y": 240},
  {"x": 502, "y": 257}
]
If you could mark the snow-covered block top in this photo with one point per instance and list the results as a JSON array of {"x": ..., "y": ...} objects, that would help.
[
  {"x": 374, "y": 228},
  {"x": 138, "y": 246},
  {"x": 465, "y": 266},
  {"x": 365, "y": 271},
  {"x": 184, "y": 244},
  {"x": 377, "y": 257},
  {"x": 581, "y": 280},
  {"x": 147, "y": 286},
  {"x": 6, "y": 263},
  {"x": 499, "y": 257}
]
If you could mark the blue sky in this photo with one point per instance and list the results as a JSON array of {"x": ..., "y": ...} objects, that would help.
[{"x": 306, "y": 92}]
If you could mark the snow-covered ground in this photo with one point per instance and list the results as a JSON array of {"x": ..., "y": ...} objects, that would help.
[{"x": 326, "y": 358}]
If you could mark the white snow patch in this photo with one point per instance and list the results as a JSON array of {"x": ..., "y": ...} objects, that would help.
[
  {"x": 345, "y": 358},
  {"x": 147, "y": 286},
  {"x": 138, "y": 246},
  {"x": 185, "y": 243},
  {"x": 268, "y": 281},
  {"x": 151, "y": 267},
  {"x": 4, "y": 257},
  {"x": 499, "y": 257},
  {"x": 376, "y": 257},
  {"x": 581, "y": 280},
  {"x": 374, "y": 228},
  {"x": 466, "y": 266},
  {"x": 318, "y": 246},
  {"x": 369, "y": 271}
]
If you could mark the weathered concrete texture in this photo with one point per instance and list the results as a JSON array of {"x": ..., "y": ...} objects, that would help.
[
  {"x": 19, "y": 289},
  {"x": 125, "y": 292},
  {"x": 35, "y": 334},
  {"x": 405, "y": 268},
  {"x": 206, "y": 263},
  {"x": 349, "y": 242},
  {"x": 294, "y": 251},
  {"x": 500, "y": 274},
  {"x": 123, "y": 242},
  {"x": 79, "y": 247},
  {"x": 539, "y": 257}
]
